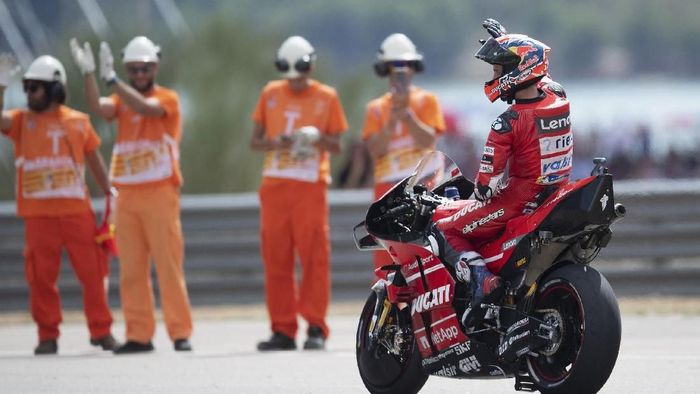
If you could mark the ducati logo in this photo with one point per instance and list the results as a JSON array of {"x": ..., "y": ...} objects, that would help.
[
  {"x": 431, "y": 299},
  {"x": 604, "y": 202}
]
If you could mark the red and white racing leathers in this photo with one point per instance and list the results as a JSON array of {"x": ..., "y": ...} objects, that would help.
[{"x": 530, "y": 147}]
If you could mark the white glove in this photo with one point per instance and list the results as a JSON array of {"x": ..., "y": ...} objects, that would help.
[
  {"x": 8, "y": 68},
  {"x": 83, "y": 56},
  {"x": 304, "y": 140},
  {"x": 106, "y": 63}
]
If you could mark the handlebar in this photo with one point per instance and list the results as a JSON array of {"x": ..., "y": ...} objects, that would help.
[
  {"x": 394, "y": 212},
  {"x": 423, "y": 204}
]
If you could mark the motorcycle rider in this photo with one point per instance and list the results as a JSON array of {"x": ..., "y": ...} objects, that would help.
[{"x": 528, "y": 151}]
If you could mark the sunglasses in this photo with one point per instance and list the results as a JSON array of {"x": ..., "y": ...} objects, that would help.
[
  {"x": 31, "y": 86},
  {"x": 400, "y": 63},
  {"x": 145, "y": 69}
]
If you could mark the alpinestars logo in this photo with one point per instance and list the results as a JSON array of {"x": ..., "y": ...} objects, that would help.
[
  {"x": 604, "y": 201},
  {"x": 502, "y": 123},
  {"x": 431, "y": 299},
  {"x": 497, "y": 124},
  {"x": 492, "y": 216}
]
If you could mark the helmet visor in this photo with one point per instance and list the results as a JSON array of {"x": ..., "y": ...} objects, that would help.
[{"x": 493, "y": 53}]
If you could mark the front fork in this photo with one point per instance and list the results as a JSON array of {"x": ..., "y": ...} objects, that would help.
[
  {"x": 381, "y": 310},
  {"x": 396, "y": 337}
]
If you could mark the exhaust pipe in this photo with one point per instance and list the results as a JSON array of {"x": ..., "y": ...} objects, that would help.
[{"x": 620, "y": 212}]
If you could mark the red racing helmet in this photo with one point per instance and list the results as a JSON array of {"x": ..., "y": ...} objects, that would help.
[{"x": 524, "y": 60}]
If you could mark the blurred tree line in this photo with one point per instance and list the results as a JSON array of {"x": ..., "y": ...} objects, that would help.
[{"x": 225, "y": 56}]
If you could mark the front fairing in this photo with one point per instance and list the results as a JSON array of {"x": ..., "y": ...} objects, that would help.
[{"x": 435, "y": 172}]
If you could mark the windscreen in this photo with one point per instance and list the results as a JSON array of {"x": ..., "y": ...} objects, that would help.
[{"x": 433, "y": 170}]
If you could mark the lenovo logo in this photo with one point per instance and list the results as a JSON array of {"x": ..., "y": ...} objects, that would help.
[{"x": 553, "y": 124}]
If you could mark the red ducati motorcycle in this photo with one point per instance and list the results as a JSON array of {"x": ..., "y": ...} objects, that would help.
[{"x": 554, "y": 325}]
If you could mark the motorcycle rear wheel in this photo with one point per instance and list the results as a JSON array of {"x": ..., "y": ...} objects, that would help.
[
  {"x": 584, "y": 303},
  {"x": 381, "y": 372}
]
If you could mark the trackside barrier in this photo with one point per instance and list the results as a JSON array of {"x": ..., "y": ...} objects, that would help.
[{"x": 223, "y": 261}]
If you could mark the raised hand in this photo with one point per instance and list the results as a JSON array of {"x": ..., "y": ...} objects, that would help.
[
  {"x": 106, "y": 63},
  {"x": 8, "y": 68},
  {"x": 83, "y": 56},
  {"x": 494, "y": 27}
]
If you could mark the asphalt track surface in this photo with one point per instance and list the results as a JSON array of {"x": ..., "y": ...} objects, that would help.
[{"x": 660, "y": 353}]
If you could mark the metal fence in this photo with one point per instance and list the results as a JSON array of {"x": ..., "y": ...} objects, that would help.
[{"x": 223, "y": 261}]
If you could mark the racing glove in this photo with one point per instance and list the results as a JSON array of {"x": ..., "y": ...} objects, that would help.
[
  {"x": 8, "y": 68},
  {"x": 485, "y": 192},
  {"x": 83, "y": 57},
  {"x": 482, "y": 192},
  {"x": 494, "y": 28}
]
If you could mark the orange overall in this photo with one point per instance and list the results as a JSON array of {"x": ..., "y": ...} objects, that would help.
[
  {"x": 145, "y": 169},
  {"x": 403, "y": 154},
  {"x": 50, "y": 149},
  {"x": 293, "y": 206}
]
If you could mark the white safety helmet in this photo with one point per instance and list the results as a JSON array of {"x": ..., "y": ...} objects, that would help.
[
  {"x": 397, "y": 48},
  {"x": 46, "y": 68},
  {"x": 141, "y": 49},
  {"x": 295, "y": 57}
]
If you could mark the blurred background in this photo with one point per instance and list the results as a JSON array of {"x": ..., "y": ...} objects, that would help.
[{"x": 629, "y": 68}]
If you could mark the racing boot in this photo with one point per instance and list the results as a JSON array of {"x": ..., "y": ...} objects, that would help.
[
  {"x": 470, "y": 269},
  {"x": 486, "y": 288}
]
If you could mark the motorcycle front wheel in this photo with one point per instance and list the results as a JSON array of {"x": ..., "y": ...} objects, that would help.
[
  {"x": 580, "y": 302},
  {"x": 381, "y": 371}
]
